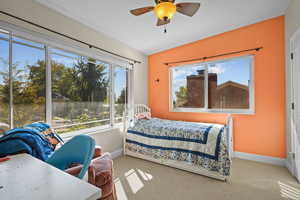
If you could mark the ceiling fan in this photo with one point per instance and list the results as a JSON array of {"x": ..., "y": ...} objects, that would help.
[{"x": 165, "y": 10}]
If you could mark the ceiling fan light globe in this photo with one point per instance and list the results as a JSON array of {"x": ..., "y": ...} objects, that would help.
[{"x": 165, "y": 10}]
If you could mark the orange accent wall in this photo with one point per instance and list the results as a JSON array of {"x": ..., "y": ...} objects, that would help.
[{"x": 262, "y": 133}]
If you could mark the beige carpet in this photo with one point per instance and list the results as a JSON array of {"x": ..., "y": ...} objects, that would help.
[{"x": 143, "y": 180}]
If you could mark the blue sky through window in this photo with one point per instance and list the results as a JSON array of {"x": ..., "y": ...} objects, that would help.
[
  {"x": 120, "y": 80},
  {"x": 236, "y": 70},
  {"x": 24, "y": 56}
]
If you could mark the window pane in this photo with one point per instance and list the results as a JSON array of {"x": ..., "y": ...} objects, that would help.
[
  {"x": 4, "y": 82},
  {"x": 120, "y": 93},
  {"x": 229, "y": 83},
  {"x": 188, "y": 85},
  {"x": 29, "y": 80},
  {"x": 80, "y": 96}
]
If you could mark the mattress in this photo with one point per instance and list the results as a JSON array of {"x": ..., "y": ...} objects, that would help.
[{"x": 202, "y": 145}]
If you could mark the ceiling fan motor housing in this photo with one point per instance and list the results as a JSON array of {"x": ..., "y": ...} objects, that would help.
[{"x": 160, "y": 1}]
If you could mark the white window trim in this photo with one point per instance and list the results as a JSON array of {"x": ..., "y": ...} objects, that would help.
[
  {"x": 111, "y": 93},
  {"x": 87, "y": 131},
  {"x": 52, "y": 42},
  {"x": 205, "y": 109}
]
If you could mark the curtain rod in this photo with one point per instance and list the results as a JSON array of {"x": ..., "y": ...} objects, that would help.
[
  {"x": 215, "y": 56},
  {"x": 70, "y": 37}
]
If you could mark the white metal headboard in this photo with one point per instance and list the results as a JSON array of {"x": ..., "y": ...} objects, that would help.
[
  {"x": 138, "y": 109},
  {"x": 141, "y": 108}
]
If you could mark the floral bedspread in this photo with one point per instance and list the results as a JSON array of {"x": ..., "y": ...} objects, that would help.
[{"x": 199, "y": 144}]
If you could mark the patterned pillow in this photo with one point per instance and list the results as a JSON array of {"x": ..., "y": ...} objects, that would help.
[
  {"x": 144, "y": 115},
  {"x": 46, "y": 131}
]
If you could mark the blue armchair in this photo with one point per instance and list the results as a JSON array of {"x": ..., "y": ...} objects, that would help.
[{"x": 79, "y": 150}]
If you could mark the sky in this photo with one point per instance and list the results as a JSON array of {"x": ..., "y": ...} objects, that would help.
[
  {"x": 23, "y": 56},
  {"x": 236, "y": 70}
]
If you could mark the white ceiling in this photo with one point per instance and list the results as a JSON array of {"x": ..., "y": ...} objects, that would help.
[{"x": 112, "y": 18}]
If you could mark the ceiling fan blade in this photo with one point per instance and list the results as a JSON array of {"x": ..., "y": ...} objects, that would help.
[
  {"x": 140, "y": 11},
  {"x": 162, "y": 22},
  {"x": 188, "y": 9}
]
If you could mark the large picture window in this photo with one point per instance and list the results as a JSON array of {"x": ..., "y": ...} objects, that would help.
[
  {"x": 80, "y": 91},
  {"x": 70, "y": 91},
  {"x": 220, "y": 86}
]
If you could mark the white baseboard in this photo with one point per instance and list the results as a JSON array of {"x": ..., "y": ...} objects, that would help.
[
  {"x": 116, "y": 153},
  {"x": 289, "y": 163},
  {"x": 259, "y": 158},
  {"x": 289, "y": 166}
]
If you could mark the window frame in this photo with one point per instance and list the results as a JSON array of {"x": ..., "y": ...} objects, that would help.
[
  {"x": 52, "y": 43},
  {"x": 249, "y": 111},
  {"x": 128, "y": 72},
  {"x": 109, "y": 88},
  {"x": 11, "y": 58}
]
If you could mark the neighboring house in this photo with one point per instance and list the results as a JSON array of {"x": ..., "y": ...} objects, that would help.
[
  {"x": 232, "y": 95},
  {"x": 59, "y": 97},
  {"x": 228, "y": 95}
]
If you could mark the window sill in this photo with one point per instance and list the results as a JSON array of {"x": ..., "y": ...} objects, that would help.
[
  {"x": 229, "y": 111},
  {"x": 88, "y": 131}
]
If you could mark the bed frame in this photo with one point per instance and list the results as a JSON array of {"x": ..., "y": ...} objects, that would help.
[{"x": 140, "y": 108}]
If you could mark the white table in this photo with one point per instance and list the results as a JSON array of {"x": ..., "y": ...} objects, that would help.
[{"x": 25, "y": 177}]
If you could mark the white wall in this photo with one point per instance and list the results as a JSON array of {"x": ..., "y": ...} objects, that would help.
[
  {"x": 44, "y": 16},
  {"x": 292, "y": 23}
]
